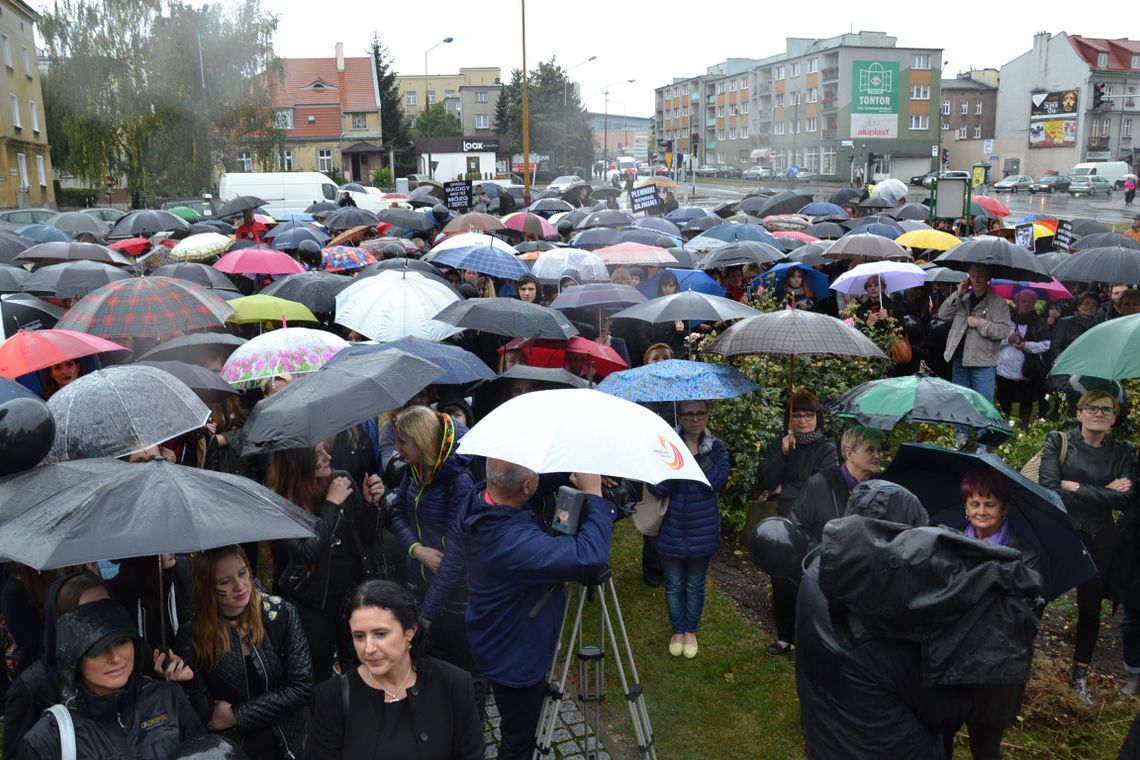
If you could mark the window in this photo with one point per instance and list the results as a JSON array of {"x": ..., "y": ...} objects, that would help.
[
  {"x": 41, "y": 172},
  {"x": 779, "y": 101},
  {"x": 482, "y": 121},
  {"x": 920, "y": 61},
  {"x": 34, "y": 114},
  {"x": 283, "y": 118},
  {"x": 779, "y": 70},
  {"x": 796, "y": 69},
  {"x": 1126, "y": 129},
  {"x": 743, "y": 133},
  {"x": 27, "y": 63},
  {"x": 720, "y": 134},
  {"x": 1105, "y": 127},
  {"x": 919, "y": 122},
  {"x": 1135, "y": 64},
  {"x": 812, "y": 95},
  {"x": 324, "y": 160},
  {"x": 978, "y": 108},
  {"x": 720, "y": 88},
  {"x": 285, "y": 161},
  {"x": 961, "y": 133},
  {"x": 732, "y": 133},
  {"x": 16, "y": 113},
  {"x": 744, "y": 107},
  {"x": 481, "y": 97},
  {"x": 779, "y": 128},
  {"x": 448, "y": 94},
  {"x": 813, "y": 65},
  {"x": 920, "y": 92},
  {"x": 812, "y": 125},
  {"x": 812, "y": 160},
  {"x": 430, "y": 98},
  {"x": 945, "y": 126},
  {"x": 410, "y": 98},
  {"x": 978, "y": 132},
  {"x": 6, "y": 44},
  {"x": 797, "y": 98},
  {"x": 828, "y": 164},
  {"x": 965, "y": 108},
  {"x": 22, "y": 162},
  {"x": 1101, "y": 60},
  {"x": 246, "y": 161},
  {"x": 945, "y": 107}
]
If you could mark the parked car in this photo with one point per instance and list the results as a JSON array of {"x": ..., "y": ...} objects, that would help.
[
  {"x": 1013, "y": 183},
  {"x": 565, "y": 182},
  {"x": 204, "y": 206},
  {"x": 757, "y": 173},
  {"x": 28, "y": 216},
  {"x": 921, "y": 180},
  {"x": 706, "y": 171},
  {"x": 1051, "y": 183},
  {"x": 105, "y": 213},
  {"x": 1090, "y": 184},
  {"x": 951, "y": 174},
  {"x": 728, "y": 172},
  {"x": 414, "y": 180}
]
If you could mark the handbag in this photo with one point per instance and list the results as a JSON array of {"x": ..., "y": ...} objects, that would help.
[
  {"x": 1033, "y": 368},
  {"x": 1032, "y": 468},
  {"x": 649, "y": 513},
  {"x": 901, "y": 352},
  {"x": 67, "y": 744}
]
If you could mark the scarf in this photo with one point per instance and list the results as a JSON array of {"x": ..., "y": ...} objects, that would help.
[
  {"x": 1001, "y": 537},
  {"x": 422, "y": 479},
  {"x": 806, "y": 439}
]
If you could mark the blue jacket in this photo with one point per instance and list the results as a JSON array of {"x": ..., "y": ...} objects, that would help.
[
  {"x": 512, "y": 562},
  {"x": 692, "y": 523},
  {"x": 427, "y": 517}
]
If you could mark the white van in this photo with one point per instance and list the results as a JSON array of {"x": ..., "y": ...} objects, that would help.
[
  {"x": 1113, "y": 171},
  {"x": 283, "y": 192}
]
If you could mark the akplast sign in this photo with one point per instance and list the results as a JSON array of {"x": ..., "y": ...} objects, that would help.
[{"x": 874, "y": 99}]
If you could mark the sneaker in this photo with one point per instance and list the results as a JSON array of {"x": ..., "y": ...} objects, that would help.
[{"x": 780, "y": 648}]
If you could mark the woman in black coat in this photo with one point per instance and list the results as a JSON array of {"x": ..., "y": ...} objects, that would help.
[{"x": 398, "y": 704}]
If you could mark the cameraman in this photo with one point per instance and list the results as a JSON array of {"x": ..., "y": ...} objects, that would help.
[{"x": 512, "y": 563}]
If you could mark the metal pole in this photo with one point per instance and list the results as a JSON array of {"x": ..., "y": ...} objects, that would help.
[
  {"x": 525, "y": 113},
  {"x": 606, "y": 131},
  {"x": 427, "y": 107}
]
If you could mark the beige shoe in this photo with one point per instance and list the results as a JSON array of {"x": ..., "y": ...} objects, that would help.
[
  {"x": 690, "y": 650},
  {"x": 676, "y": 646}
]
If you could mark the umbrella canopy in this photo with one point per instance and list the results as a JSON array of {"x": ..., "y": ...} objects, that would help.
[
  {"x": 20, "y": 311},
  {"x": 630, "y": 254},
  {"x": 121, "y": 410},
  {"x": 822, "y": 208},
  {"x": 794, "y": 332},
  {"x": 687, "y": 279},
  {"x": 509, "y": 317},
  {"x": 1089, "y": 354},
  {"x": 535, "y": 246},
  {"x": 12, "y": 278},
  {"x": 473, "y": 222},
  {"x": 258, "y": 261},
  {"x": 44, "y": 233},
  {"x": 521, "y": 221},
  {"x": 147, "y": 307},
  {"x": 597, "y": 294},
  {"x": 678, "y": 380},
  {"x": 56, "y": 252},
  {"x": 76, "y": 223},
  {"x": 204, "y": 275},
  {"x": 786, "y": 202},
  {"x": 895, "y": 275},
  {"x": 288, "y": 351},
  {"x": 1002, "y": 257},
  {"x": 187, "y": 213},
  {"x": 263, "y": 308},
  {"x": 596, "y": 238},
  {"x": 1052, "y": 291},
  {"x": 485, "y": 259},
  {"x": 636, "y": 442},
  {"x": 744, "y": 252},
  {"x": 394, "y": 304},
  {"x": 648, "y": 237},
  {"x": 1036, "y": 514},
  {"x": 1104, "y": 240},
  {"x": 914, "y": 211},
  {"x": 686, "y": 214},
  {"x": 73, "y": 513},
  {"x": 552, "y": 264},
  {"x": 352, "y": 237},
  {"x": 658, "y": 224},
  {"x": 993, "y": 206},
  {"x": 147, "y": 222},
  {"x": 10, "y": 389},
  {"x": 845, "y": 195},
  {"x": 290, "y": 238},
  {"x": 546, "y": 352},
  {"x": 348, "y": 217},
  {"x": 611, "y": 218},
  {"x": 321, "y": 207},
  {"x": 732, "y": 232},
  {"x": 207, "y": 385},
  {"x": 317, "y": 290},
  {"x": 549, "y": 206},
  {"x": 473, "y": 240},
  {"x": 235, "y": 206},
  {"x": 200, "y": 247},
  {"x": 1085, "y": 226},
  {"x": 817, "y": 281},
  {"x": 662, "y": 182},
  {"x": 876, "y": 203},
  {"x": 546, "y": 377},
  {"x": 810, "y": 254},
  {"x": 934, "y": 240},
  {"x": 341, "y": 394},
  {"x": 1114, "y": 264},
  {"x": 31, "y": 350},
  {"x": 688, "y": 305},
  {"x": 196, "y": 348},
  {"x": 868, "y": 246},
  {"x": 826, "y": 230},
  {"x": 458, "y": 365},
  {"x": 342, "y": 258},
  {"x": 73, "y": 279},
  {"x": 12, "y": 244},
  {"x": 942, "y": 274},
  {"x": 890, "y": 231}
]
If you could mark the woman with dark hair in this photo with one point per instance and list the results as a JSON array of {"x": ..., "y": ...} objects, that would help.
[
  {"x": 527, "y": 288},
  {"x": 399, "y": 702},
  {"x": 670, "y": 333},
  {"x": 59, "y": 375},
  {"x": 248, "y": 651},
  {"x": 796, "y": 291},
  {"x": 316, "y": 573},
  {"x": 1021, "y": 366}
]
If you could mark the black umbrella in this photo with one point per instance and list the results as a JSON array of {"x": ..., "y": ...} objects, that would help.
[
  {"x": 509, "y": 317},
  {"x": 208, "y": 386},
  {"x": 878, "y": 202},
  {"x": 322, "y": 207},
  {"x": 317, "y": 289},
  {"x": 863, "y": 221},
  {"x": 75, "y": 223},
  {"x": 687, "y": 305},
  {"x": 595, "y": 238},
  {"x": 12, "y": 278},
  {"x": 1036, "y": 514},
  {"x": 1005, "y": 260},
  {"x": 606, "y": 218},
  {"x": 56, "y": 252},
  {"x": 147, "y": 222},
  {"x": 571, "y": 193},
  {"x": 529, "y": 246},
  {"x": 741, "y": 252},
  {"x": 235, "y": 206},
  {"x": 811, "y": 254},
  {"x": 196, "y": 348},
  {"x": 11, "y": 245},
  {"x": 202, "y": 274},
  {"x": 942, "y": 274},
  {"x": 916, "y": 211},
  {"x": 552, "y": 377},
  {"x": 548, "y": 207},
  {"x": 686, "y": 259},
  {"x": 1083, "y": 226},
  {"x": 211, "y": 225},
  {"x": 845, "y": 195},
  {"x": 73, "y": 279},
  {"x": 700, "y": 224},
  {"x": 825, "y": 230},
  {"x": 725, "y": 209},
  {"x": 334, "y": 398},
  {"x": 1115, "y": 264},
  {"x": 1051, "y": 260},
  {"x": 406, "y": 219},
  {"x": 348, "y": 217},
  {"x": 1105, "y": 240},
  {"x": 20, "y": 311},
  {"x": 460, "y": 365},
  {"x": 786, "y": 202}
]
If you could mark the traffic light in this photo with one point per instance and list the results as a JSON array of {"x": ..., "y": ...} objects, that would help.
[
  {"x": 696, "y": 138},
  {"x": 1098, "y": 96}
]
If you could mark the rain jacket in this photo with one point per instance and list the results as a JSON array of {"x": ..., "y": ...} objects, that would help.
[
  {"x": 147, "y": 720},
  {"x": 790, "y": 471},
  {"x": 982, "y": 343},
  {"x": 1090, "y": 506},
  {"x": 512, "y": 564},
  {"x": 424, "y": 514},
  {"x": 691, "y": 527},
  {"x": 822, "y": 498}
]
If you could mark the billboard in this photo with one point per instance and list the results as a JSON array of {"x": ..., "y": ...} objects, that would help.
[
  {"x": 1053, "y": 119},
  {"x": 874, "y": 99}
]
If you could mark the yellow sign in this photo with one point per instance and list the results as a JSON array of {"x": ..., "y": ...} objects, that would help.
[
  {"x": 668, "y": 160},
  {"x": 979, "y": 177}
]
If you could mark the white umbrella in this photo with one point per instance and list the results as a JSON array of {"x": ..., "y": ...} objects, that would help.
[
  {"x": 395, "y": 304},
  {"x": 896, "y": 276},
  {"x": 550, "y": 265},
  {"x": 287, "y": 351},
  {"x": 583, "y": 430},
  {"x": 202, "y": 246},
  {"x": 473, "y": 240}
]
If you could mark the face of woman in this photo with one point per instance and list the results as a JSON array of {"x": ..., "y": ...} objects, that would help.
[
  {"x": 64, "y": 372},
  {"x": 324, "y": 462},
  {"x": 408, "y": 450},
  {"x": 804, "y": 421},
  {"x": 694, "y": 419},
  {"x": 520, "y": 386},
  {"x": 863, "y": 460},
  {"x": 1098, "y": 417},
  {"x": 874, "y": 288},
  {"x": 985, "y": 513},
  {"x": 111, "y": 669},
  {"x": 795, "y": 278},
  {"x": 657, "y": 355},
  {"x": 232, "y": 584},
  {"x": 382, "y": 645},
  {"x": 512, "y": 358},
  {"x": 668, "y": 286},
  {"x": 1088, "y": 307},
  {"x": 528, "y": 292}
]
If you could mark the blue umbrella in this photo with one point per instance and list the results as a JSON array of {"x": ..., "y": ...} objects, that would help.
[
  {"x": 821, "y": 208},
  {"x": 882, "y": 230},
  {"x": 292, "y": 238},
  {"x": 687, "y": 279},
  {"x": 44, "y": 233},
  {"x": 460, "y": 365},
  {"x": 10, "y": 390},
  {"x": 1036, "y": 514},
  {"x": 816, "y": 280},
  {"x": 598, "y": 237},
  {"x": 731, "y": 232},
  {"x": 485, "y": 259},
  {"x": 595, "y": 294},
  {"x": 688, "y": 214},
  {"x": 678, "y": 380}
]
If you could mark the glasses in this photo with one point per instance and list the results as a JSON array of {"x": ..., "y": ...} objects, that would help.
[
  {"x": 803, "y": 416},
  {"x": 694, "y": 415},
  {"x": 1103, "y": 411}
]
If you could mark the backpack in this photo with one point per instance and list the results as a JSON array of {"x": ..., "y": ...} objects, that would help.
[
  {"x": 1032, "y": 468},
  {"x": 67, "y": 750}
]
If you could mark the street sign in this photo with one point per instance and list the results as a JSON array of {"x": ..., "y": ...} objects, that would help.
[
  {"x": 934, "y": 151},
  {"x": 994, "y": 158},
  {"x": 987, "y": 146},
  {"x": 846, "y": 143},
  {"x": 458, "y": 194}
]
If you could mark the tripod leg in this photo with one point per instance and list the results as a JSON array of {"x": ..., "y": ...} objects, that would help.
[
  {"x": 548, "y": 719},
  {"x": 634, "y": 693}
]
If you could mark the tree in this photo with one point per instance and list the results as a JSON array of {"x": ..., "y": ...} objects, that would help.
[
  {"x": 393, "y": 120},
  {"x": 558, "y": 124},
  {"x": 508, "y": 110},
  {"x": 443, "y": 124}
]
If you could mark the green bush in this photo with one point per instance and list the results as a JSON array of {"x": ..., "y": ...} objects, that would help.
[
  {"x": 336, "y": 176},
  {"x": 382, "y": 178},
  {"x": 79, "y": 197}
]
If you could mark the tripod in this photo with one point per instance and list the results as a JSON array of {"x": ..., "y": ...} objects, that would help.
[{"x": 591, "y": 670}]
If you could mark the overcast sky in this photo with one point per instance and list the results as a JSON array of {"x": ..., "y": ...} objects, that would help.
[{"x": 654, "y": 42}]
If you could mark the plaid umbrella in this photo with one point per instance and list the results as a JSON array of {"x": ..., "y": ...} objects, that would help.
[
  {"x": 678, "y": 380},
  {"x": 147, "y": 307},
  {"x": 317, "y": 289},
  {"x": 339, "y": 258},
  {"x": 204, "y": 245},
  {"x": 288, "y": 351},
  {"x": 485, "y": 259},
  {"x": 794, "y": 332}
]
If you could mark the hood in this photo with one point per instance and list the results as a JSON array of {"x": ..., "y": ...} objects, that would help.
[
  {"x": 460, "y": 402},
  {"x": 86, "y": 626},
  {"x": 456, "y": 463},
  {"x": 883, "y": 500},
  {"x": 570, "y": 274},
  {"x": 51, "y": 615}
]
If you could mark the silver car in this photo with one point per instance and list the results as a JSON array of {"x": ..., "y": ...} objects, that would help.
[
  {"x": 1014, "y": 183},
  {"x": 1090, "y": 184}
]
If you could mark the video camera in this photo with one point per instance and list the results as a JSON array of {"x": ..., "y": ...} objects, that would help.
[{"x": 570, "y": 502}]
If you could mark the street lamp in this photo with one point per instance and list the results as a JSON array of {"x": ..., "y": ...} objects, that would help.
[
  {"x": 427, "y": 106},
  {"x": 565, "y": 88},
  {"x": 606, "y": 120}
]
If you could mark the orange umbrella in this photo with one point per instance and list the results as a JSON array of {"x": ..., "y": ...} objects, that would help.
[
  {"x": 351, "y": 236},
  {"x": 473, "y": 222}
]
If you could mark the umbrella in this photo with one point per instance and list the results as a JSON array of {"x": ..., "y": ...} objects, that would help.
[
  {"x": 934, "y": 240},
  {"x": 458, "y": 365},
  {"x": 1084, "y": 226},
  {"x": 686, "y": 214},
  {"x": 317, "y": 290},
  {"x": 678, "y": 380},
  {"x": 204, "y": 275},
  {"x": 258, "y": 261},
  {"x": 895, "y": 275},
  {"x": 207, "y": 385},
  {"x": 12, "y": 244},
  {"x": 1051, "y": 260},
  {"x": 636, "y": 443},
  {"x": 606, "y": 218},
  {"x": 889, "y": 231},
  {"x": 147, "y": 307},
  {"x": 913, "y": 225},
  {"x": 810, "y": 254},
  {"x": 287, "y": 351},
  {"x": 509, "y": 317},
  {"x": 876, "y": 202},
  {"x": 321, "y": 207},
  {"x": 659, "y": 224},
  {"x": 121, "y": 410},
  {"x": 993, "y": 206},
  {"x": 1111, "y": 350},
  {"x": 551, "y": 265},
  {"x": 867, "y": 246},
  {"x": 341, "y": 394},
  {"x": 31, "y": 350},
  {"x": 73, "y": 279},
  {"x": 263, "y": 308},
  {"x": 549, "y": 206},
  {"x": 1002, "y": 257},
  {"x": 341, "y": 258},
  {"x": 914, "y": 211},
  {"x": 845, "y": 195},
  {"x": 1052, "y": 291},
  {"x": 1102, "y": 240},
  {"x": 473, "y": 222},
  {"x": 12, "y": 278},
  {"x": 686, "y": 259},
  {"x": 521, "y": 221},
  {"x": 1036, "y": 514},
  {"x": 821, "y": 208},
  {"x": 186, "y": 213},
  {"x": 146, "y": 222},
  {"x": 687, "y": 279},
  {"x": 649, "y": 237},
  {"x": 825, "y": 230},
  {"x": 736, "y": 254},
  {"x": 942, "y": 274},
  {"x": 395, "y": 304},
  {"x": 1114, "y": 264},
  {"x": 688, "y": 305},
  {"x": 399, "y": 264},
  {"x": 20, "y": 311},
  {"x": 290, "y": 238},
  {"x": 816, "y": 280},
  {"x": 547, "y": 377},
  {"x": 73, "y": 513},
  {"x": 236, "y": 206},
  {"x": 662, "y": 182},
  {"x": 630, "y": 254},
  {"x": 893, "y": 190},
  {"x": 786, "y": 202},
  {"x": 10, "y": 389},
  {"x": 348, "y": 217},
  {"x": 597, "y": 294},
  {"x": 44, "y": 233},
  {"x": 196, "y": 348},
  {"x": 473, "y": 240},
  {"x": 535, "y": 246},
  {"x": 731, "y": 232},
  {"x": 202, "y": 246},
  {"x": 546, "y": 352},
  {"x": 55, "y": 252},
  {"x": 352, "y": 236},
  {"x": 596, "y": 238},
  {"x": 76, "y": 223},
  {"x": 485, "y": 259}
]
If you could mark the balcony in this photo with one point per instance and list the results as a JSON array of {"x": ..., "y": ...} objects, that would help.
[
  {"x": 762, "y": 114},
  {"x": 829, "y": 74},
  {"x": 710, "y": 122},
  {"x": 761, "y": 88},
  {"x": 1098, "y": 143},
  {"x": 827, "y": 105},
  {"x": 830, "y": 134}
]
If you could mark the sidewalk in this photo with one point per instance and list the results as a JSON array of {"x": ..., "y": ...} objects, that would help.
[{"x": 570, "y": 741}]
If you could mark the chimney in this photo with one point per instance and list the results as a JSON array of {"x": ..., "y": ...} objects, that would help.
[{"x": 340, "y": 57}]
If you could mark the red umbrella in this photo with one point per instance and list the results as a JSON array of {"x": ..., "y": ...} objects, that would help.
[
  {"x": 131, "y": 246},
  {"x": 549, "y": 352},
  {"x": 992, "y": 205},
  {"x": 31, "y": 350},
  {"x": 523, "y": 222},
  {"x": 795, "y": 235},
  {"x": 258, "y": 261},
  {"x": 629, "y": 254}
]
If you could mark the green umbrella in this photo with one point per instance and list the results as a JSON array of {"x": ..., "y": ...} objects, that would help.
[
  {"x": 883, "y": 404},
  {"x": 1110, "y": 350},
  {"x": 263, "y": 308},
  {"x": 187, "y": 213}
]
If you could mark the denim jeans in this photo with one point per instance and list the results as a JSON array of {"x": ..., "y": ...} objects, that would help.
[
  {"x": 685, "y": 581},
  {"x": 1130, "y": 639},
  {"x": 980, "y": 379}
]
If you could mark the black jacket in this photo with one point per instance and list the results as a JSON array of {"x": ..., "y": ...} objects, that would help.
[
  {"x": 445, "y": 719},
  {"x": 823, "y": 498},
  {"x": 282, "y": 662},
  {"x": 791, "y": 471},
  {"x": 1090, "y": 506},
  {"x": 1065, "y": 331}
]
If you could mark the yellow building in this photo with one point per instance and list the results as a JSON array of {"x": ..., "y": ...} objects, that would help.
[
  {"x": 25, "y": 157},
  {"x": 445, "y": 89}
]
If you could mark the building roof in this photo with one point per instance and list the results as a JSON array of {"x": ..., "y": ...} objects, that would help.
[
  {"x": 315, "y": 81},
  {"x": 1120, "y": 51},
  {"x": 965, "y": 83}
]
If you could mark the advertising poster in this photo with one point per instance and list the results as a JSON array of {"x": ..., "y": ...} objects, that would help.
[
  {"x": 1053, "y": 119},
  {"x": 874, "y": 100}
]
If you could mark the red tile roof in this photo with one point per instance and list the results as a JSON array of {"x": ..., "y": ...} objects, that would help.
[
  {"x": 1120, "y": 51},
  {"x": 353, "y": 89}
]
